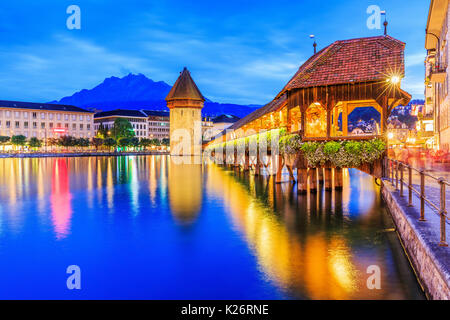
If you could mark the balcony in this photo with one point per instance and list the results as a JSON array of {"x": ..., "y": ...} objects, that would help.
[{"x": 438, "y": 73}]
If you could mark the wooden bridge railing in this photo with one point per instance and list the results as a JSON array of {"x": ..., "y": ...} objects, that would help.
[{"x": 397, "y": 177}]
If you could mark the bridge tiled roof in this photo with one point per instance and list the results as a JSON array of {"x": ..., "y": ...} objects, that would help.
[{"x": 351, "y": 61}]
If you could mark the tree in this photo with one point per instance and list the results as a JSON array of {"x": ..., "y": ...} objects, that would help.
[
  {"x": 134, "y": 142},
  {"x": 145, "y": 142},
  {"x": 165, "y": 142},
  {"x": 34, "y": 143},
  {"x": 67, "y": 141},
  {"x": 156, "y": 142},
  {"x": 122, "y": 128},
  {"x": 124, "y": 142},
  {"x": 4, "y": 139},
  {"x": 97, "y": 142},
  {"x": 109, "y": 142},
  {"x": 19, "y": 140},
  {"x": 102, "y": 132}
]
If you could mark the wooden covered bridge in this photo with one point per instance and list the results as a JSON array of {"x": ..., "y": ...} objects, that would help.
[{"x": 316, "y": 105}]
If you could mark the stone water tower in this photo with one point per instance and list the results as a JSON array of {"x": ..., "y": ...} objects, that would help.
[{"x": 185, "y": 103}]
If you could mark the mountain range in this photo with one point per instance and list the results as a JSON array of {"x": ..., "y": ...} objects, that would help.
[{"x": 139, "y": 92}]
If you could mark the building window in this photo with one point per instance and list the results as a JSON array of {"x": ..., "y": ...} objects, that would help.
[
  {"x": 17, "y": 114},
  {"x": 51, "y": 125},
  {"x": 81, "y": 126},
  {"x": 74, "y": 117},
  {"x": 81, "y": 118},
  {"x": 50, "y": 116},
  {"x": 74, "y": 126},
  {"x": 25, "y": 115},
  {"x": 8, "y": 124},
  {"x": 34, "y": 125},
  {"x": 58, "y": 125},
  {"x": 42, "y": 125},
  {"x": 17, "y": 124},
  {"x": 66, "y": 125},
  {"x": 88, "y": 118},
  {"x": 8, "y": 114},
  {"x": 66, "y": 117},
  {"x": 34, "y": 115},
  {"x": 25, "y": 124},
  {"x": 88, "y": 127},
  {"x": 42, "y": 115},
  {"x": 58, "y": 116}
]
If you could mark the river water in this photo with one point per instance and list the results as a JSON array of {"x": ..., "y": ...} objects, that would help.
[{"x": 142, "y": 227}]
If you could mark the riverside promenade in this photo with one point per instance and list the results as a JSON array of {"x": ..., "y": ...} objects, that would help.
[
  {"x": 422, "y": 239},
  {"x": 80, "y": 154}
]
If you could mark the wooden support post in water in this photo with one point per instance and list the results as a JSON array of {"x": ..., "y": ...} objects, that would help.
[
  {"x": 312, "y": 175},
  {"x": 320, "y": 175},
  {"x": 279, "y": 166},
  {"x": 338, "y": 184},
  {"x": 246, "y": 162},
  {"x": 327, "y": 179},
  {"x": 258, "y": 164},
  {"x": 302, "y": 181},
  {"x": 401, "y": 179}
]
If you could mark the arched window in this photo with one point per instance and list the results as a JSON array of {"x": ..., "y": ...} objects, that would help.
[{"x": 316, "y": 121}]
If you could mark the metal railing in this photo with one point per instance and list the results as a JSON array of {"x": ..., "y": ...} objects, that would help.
[{"x": 397, "y": 177}]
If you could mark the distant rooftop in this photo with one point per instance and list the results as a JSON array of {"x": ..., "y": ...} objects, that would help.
[
  {"x": 121, "y": 113},
  {"x": 40, "y": 106},
  {"x": 225, "y": 118},
  {"x": 156, "y": 113}
]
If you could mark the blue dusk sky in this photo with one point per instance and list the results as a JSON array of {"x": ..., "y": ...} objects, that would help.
[{"x": 237, "y": 51}]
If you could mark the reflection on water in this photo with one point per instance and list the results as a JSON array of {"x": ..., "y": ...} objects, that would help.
[{"x": 166, "y": 230}]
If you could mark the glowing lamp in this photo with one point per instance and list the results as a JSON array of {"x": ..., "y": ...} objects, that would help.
[
  {"x": 394, "y": 80},
  {"x": 390, "y": 135}
]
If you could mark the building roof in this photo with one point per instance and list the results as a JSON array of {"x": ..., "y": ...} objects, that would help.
[
  {"x": 225, "y": 118},
  {"x": 351, "y": 61},
  {"x": 274, "y": 105},
  {"x": 121, "y": 113},
  {"x": 40, "y": 106},
  {"x": 156, "y": 113},
  {"x": 185, "y": 88}
]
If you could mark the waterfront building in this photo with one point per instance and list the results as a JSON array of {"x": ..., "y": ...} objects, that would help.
[
  {"x": 185, "y": 103},
  {"x": 137, "y": 118},
  {"x": 437, "y": 81},
  {"x": 158, "y": 124},
  {"x": 222, "y": 122},
  {"x": 44, "y": 120}
]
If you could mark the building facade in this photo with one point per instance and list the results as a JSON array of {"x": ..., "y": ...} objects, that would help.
[
  {"x": 437, "y": 78},
  {"x": 138, "y": 120},
  {"x": 44, "y": 120},
  {"x": 158, "y": 124}
]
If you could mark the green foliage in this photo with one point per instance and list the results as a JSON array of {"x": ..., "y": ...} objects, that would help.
[
  {"x": 145, "y": 142},
  {"x": 19, "y": 140},
  {"x": 34, "y": 142},
  {"x": 290, "y": 144},
  {"x": 165, "y": 142},
  {"x": 82, "y": 142},
  {"x": 122, "y": 128},
  {"x": 97, "y": 142},
  {"x": 134, "y": 142},
  {"x": 343, "y": 154},
  {"x": 313, "y": 152},
  {"x": 156, "y": 142},
  {"x": 109, "y": 142},
  {"x": 67, "y": 141},
  {"x": 124, "y": 142},
  {"x": 102, "y": 132},
  {"x": 331, "y": 148},
  {"x": 4, "y": 139}
]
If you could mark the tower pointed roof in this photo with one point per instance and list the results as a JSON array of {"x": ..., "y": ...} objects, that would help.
[{"x": 185, "y": 88}]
